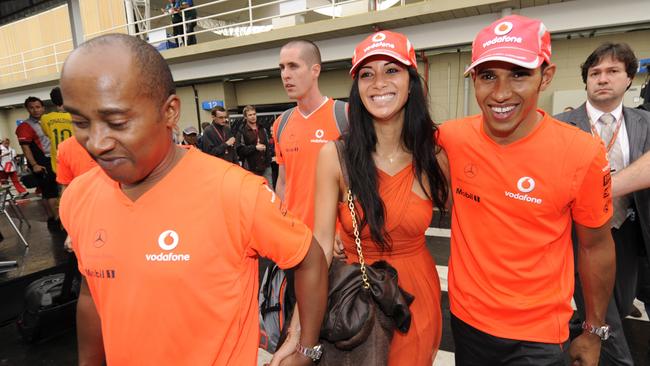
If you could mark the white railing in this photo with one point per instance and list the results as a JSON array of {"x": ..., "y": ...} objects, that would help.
[{"x": 224, "y": 24}]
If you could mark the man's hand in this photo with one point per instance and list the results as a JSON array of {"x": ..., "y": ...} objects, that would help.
[
  {"x": 230, "y": 141},
  {"x": 260, "y": 147},
  {"x": 296, "y": 359},
  {"x": 38, "y": 169},
  {"x": 287, "y": 349},
  {"x": 67, "y": 244},
  {"x": 338, "y": 251},
  {"x": 585, "y": 350}
]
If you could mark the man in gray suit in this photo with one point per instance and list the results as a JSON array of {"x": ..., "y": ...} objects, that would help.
[
  {"x": 607, "y": 74},
  {"x": 632, "y": 178}
]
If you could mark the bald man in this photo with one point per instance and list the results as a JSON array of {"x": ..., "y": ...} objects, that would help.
[
  {"x": 301, "y": 131},
  {"x": 169, "y": 279}
]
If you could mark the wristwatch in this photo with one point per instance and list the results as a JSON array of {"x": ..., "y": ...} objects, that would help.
[
  {"x": 602, "y": 332},
  {"x": 314, "y": 353}
]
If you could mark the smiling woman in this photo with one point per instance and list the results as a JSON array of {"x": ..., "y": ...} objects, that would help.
[{"x": 391, "y": 157}]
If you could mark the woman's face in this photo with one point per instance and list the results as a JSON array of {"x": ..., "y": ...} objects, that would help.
[{"x": 384, "y": 88}]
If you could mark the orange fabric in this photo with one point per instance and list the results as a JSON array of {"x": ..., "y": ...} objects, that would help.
[
  {"x": 174, "y": 275},
  {"x": 297, "y": 149},
  {"x": 72, "y": 161},
  {"x": 407, "y": 218},
  {"x": 511, "y": 266}
]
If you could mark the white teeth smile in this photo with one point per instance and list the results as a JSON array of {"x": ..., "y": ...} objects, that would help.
[
  {"x": 382, "y": 98},
  {"x": 503, "y": 109}
]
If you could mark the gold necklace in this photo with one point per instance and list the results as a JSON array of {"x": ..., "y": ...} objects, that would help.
[{"x": 391, "y": 157}]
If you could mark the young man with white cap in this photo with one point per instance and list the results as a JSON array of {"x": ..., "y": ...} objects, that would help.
[{"x": 520, "y": 179}]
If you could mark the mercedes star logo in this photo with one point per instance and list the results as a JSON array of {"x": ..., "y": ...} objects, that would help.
[
  {"x": 470, "y": 170},
  {"x": 100, "y": 238}
]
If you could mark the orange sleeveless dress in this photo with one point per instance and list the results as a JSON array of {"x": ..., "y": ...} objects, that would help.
[{"x": 407, "y": 218}]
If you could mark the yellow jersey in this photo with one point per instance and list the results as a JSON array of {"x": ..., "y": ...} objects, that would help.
[{"x": 58, "y": 127}]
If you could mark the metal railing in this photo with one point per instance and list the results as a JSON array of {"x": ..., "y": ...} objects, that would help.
[{"x": 235, "y": 22}]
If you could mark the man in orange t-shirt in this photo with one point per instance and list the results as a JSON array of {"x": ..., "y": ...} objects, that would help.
[
  {"x": 72, "y": 161},
  {"x": 519, "y": 178},
  {"x": 169, "y": 278},
  {"x": 310, "y": 125}
]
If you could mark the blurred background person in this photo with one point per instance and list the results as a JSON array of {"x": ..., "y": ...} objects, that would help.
[
  {"x": 8, "y": 166},
  {"x": 190, "y": 136},
  {"x": 253, "y": 145}
]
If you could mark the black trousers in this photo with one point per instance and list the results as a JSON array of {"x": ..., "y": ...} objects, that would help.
[
  {"x": 476, "y": 348},
  {"x": 627, "y": 240}
]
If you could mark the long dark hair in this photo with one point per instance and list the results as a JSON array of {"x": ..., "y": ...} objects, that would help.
[{"x": 417, "y": 138}]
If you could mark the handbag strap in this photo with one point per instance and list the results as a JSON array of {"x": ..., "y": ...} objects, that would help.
[{"x": 353, "y": 214}]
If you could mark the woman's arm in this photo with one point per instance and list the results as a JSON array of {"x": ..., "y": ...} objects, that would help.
[{"x": 443, "y": 161}]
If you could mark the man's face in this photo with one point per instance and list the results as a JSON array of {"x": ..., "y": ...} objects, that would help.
[
  {"x": 607, "y": 82},
  {"x": 6, "y": 142},
  {"x": 126, "y": 131},
  {"x": 190, "y": 139},
  {"x": 251, "y": 117},
  {"x": 507, "y": 95},
  {"x": 35, "y": 109},
  {"x": 297, "y": 77},
  {"x": 220, "y": 118}
]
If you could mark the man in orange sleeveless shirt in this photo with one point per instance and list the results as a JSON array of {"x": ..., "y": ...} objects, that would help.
[
  {"x": 519, "y": 179},
  {"x": 169, "y": 278}
]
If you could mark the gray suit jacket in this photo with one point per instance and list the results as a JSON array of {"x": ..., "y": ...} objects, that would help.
[{"x": 637, "y": 123}]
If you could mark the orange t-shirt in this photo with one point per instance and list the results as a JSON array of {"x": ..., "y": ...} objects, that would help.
[
  {"x": 511, "y": 264},
  {"x": 72, "y": 161},
  {"x": 297, "y": 149},
  {"x": 174, "y": 274}
]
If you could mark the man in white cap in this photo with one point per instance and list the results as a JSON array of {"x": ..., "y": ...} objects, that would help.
[
  {"x": 528, "y": 177},
  {"x": 190, "y": 136}
]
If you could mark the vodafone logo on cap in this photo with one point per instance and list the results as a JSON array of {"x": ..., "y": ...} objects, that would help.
[
  {"x": 378, "y": 37},
  {"x": 503, "y": 28}
]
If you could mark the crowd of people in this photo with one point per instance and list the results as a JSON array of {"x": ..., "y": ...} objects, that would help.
[
  {"x": 537, "y": 203},
  {"x": 249, "y": 146}
]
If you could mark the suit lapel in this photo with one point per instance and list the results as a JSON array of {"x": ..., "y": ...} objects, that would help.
[
  {"x": 636, "y": 132},
  {"x": 581, "y": 118}
]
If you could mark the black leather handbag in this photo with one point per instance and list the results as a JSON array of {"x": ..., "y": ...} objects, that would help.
[{"x": 365, "y": 307}]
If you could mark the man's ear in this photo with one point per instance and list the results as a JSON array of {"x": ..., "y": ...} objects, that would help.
[
  {"x": 315, "y": 69},
  {"x": 547, "y": 76},
  {"x": 172, "y": 110}
]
